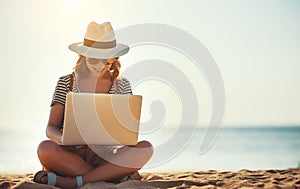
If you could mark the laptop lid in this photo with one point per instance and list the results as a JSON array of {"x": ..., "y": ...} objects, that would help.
[{"x": 101, "y": 119}]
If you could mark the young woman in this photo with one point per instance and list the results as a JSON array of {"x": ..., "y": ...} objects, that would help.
[{"x": 96, "y": 71}]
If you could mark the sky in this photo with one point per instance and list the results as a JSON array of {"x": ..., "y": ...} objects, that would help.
[{"x": 254, "y": 44}]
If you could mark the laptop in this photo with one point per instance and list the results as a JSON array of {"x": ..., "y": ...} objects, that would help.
[{"x": 101, "y": 119}]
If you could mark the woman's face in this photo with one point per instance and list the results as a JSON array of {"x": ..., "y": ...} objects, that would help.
[{"x": 95, "y": 65}]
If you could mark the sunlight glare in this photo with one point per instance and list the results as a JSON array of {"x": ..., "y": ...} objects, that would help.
[{"x": 72, "y": 4}]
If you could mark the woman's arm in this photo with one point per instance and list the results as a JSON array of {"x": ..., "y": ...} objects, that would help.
[{"x": 55, "y": 119}]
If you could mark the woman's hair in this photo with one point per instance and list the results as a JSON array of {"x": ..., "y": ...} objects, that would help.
[{"x": 82, "y": 70}]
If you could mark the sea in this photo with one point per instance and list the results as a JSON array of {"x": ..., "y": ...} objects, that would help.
[{"x": 234, "y": 148}]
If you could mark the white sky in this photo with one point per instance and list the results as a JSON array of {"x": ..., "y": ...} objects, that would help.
[{"x": 254, "y": 43}]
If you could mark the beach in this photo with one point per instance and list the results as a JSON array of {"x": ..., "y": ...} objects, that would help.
[
  {"x": 240, "y": 158},
  {"x": 272, "y": 178}
]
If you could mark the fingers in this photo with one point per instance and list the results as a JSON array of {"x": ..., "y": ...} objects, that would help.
[{"x": 105, "y": 71}]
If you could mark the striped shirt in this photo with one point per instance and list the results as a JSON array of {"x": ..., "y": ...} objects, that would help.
[{"x": 63, "y": 85}]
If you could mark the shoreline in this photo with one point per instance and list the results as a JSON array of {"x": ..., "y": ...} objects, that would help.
[{"x": 272, "y": 178}]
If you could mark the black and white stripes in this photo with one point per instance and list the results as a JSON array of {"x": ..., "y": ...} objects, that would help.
[{"x": 63, "y": 84}]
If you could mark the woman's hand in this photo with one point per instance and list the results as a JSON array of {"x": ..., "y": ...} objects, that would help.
[
  {"x": 104, "y": 80},
  {"x": 105, "y": 72}
]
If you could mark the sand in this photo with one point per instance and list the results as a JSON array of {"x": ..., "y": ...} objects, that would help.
[{"x": 288, "y": 178}]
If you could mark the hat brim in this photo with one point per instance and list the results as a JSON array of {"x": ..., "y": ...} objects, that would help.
[{"x": 86, "y": 51}]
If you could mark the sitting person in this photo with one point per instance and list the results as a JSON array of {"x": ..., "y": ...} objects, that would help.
[{"x": 96, "y": 71}]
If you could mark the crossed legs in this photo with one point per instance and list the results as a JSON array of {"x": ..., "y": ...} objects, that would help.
[{"x": 63, "y": 162}]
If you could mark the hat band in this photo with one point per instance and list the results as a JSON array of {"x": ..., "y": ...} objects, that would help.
[{"x": 99, "y": 45}]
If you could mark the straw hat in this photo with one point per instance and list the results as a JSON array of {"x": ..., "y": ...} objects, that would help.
[{"x": 99, "y": 42}]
